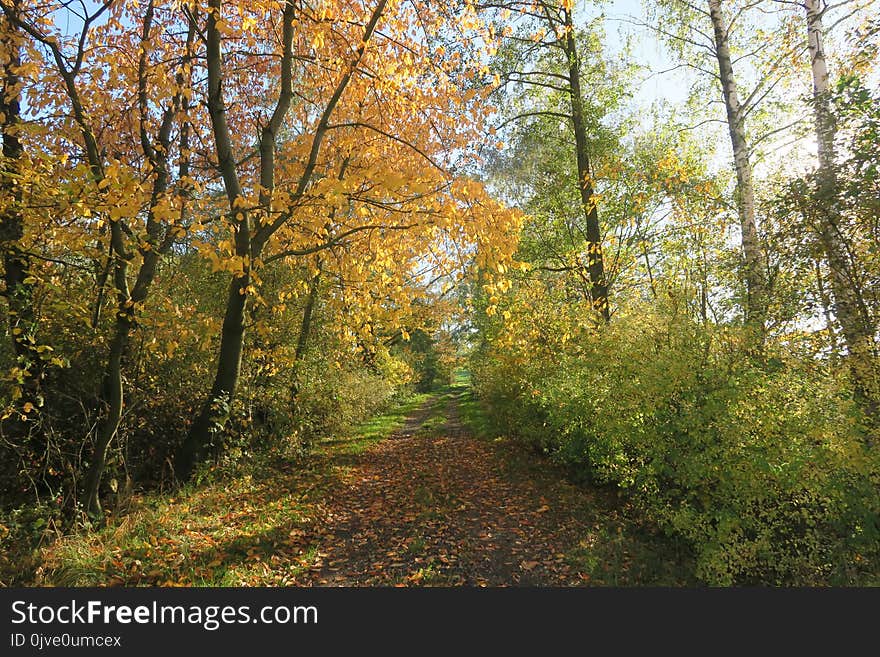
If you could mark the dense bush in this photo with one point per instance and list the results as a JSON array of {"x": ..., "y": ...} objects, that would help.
[
  {"x": 333, "y": 398},
  {"x": 762, "y": 468}
]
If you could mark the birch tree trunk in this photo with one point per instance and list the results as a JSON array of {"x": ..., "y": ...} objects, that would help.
[
  {"x": 855, "y": 322},
  {"x": 755, "y": 267}
]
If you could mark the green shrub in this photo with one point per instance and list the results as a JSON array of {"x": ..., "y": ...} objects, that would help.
[
  {"x": 763, "y": 470},
  {"x": 331, "y": 399}
]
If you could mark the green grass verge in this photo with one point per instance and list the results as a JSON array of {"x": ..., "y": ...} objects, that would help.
[
  {"x": 375, "y": 429},
  {"x": 473, "y": 416}
]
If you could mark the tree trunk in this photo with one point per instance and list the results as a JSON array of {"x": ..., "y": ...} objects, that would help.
[
  {"x": 305, "y": 330},
  {"x": 160, "y": 239},
  {"x": 855, "y": 322},
  {"x": 755, "y": 267},
  {"x": 113, "y": 398},
  {"x": 215, "y": 409},
  {"x": 595, "y": 255},
  {"x": 306, "y": 324},
  {"x": 112, "y": 395},
  {"x": 825, "y": 300},
  {"x": 112, "y": 389}
]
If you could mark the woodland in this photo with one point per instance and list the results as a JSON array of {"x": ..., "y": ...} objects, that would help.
[{"x": 411, "y": 292}]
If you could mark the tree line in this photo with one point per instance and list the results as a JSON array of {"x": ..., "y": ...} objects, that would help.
[
  {"x": 694, "y": 322},
  {"x": 231, "y": 228}
]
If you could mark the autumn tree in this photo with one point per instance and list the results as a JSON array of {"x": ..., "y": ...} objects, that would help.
[
  {"x": 138, "y": 222},
  {"x": 372, "y": 134}
]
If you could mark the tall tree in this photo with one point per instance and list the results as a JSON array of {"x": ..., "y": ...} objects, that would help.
[
  {"x": 546, "y": 54},
  {"x": 115, "y": 195},
  {"x": 595, "y": 254},
  {"x": 16, "y": 260},
  {"x": 754, "y": 261},
  {"x": 855, "y": 320}
]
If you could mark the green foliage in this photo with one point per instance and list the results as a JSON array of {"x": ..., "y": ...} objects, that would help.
[
  {"x": 332, "y": 399},
  {"x": 21, "y": 528},
  {"x": 762, "y": 470},
  {"x": 429, "y": 358}
]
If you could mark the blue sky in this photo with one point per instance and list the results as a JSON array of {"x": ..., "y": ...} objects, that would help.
[
  {"x": 666, "y": 86},
  {"x": 647, "y": 49}
]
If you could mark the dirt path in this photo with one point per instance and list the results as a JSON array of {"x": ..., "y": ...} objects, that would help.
[
  {"x": 428, "y": 505},
  {"x": 431, "y": 505}
]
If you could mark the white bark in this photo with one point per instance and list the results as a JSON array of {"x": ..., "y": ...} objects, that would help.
[
  {"x": 855, "y": 322},
  {"x": 755, "y": 269}
]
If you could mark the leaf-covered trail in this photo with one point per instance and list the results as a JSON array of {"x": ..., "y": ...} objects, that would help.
[{"x": 432, "y": 505}]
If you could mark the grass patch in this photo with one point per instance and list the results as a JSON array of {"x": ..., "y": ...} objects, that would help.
[
  {"x": 375, "y": 429},
  {"x": 461, "y": 379},
  {"x": 416, "y": 545},
  {"x": 472, "y": 414},
  {"x": 434, "y": 424},
  {"x": 220, "y": 534}
]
